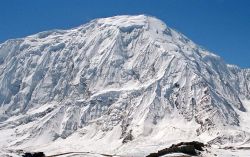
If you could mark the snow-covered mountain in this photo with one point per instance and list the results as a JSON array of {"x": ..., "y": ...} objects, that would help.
[{"x": 117, "y": 84}]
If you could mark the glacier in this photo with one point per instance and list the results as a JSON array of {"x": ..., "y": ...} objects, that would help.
[{"x": 125, "y": 84}]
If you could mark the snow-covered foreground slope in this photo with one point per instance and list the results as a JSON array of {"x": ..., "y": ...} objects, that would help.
[{"x": 126, "y": 84}]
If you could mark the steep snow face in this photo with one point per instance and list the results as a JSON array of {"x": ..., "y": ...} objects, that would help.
[{"x": 130, "y": 76}]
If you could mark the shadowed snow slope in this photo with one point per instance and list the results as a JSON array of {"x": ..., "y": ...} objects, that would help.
[{"x": 99, "y": 86}]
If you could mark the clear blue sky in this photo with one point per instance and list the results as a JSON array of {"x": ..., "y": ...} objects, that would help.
[{"x": 221, "y": 26}]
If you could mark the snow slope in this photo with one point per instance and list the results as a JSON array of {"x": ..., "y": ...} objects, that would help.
[{"x": 121, "y": 79}]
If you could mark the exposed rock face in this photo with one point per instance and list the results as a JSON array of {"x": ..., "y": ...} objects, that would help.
[
  {"x": 38, "y": 154},
  {"x": 189, "y": 148},
  {"x": 115, "y": 75}
]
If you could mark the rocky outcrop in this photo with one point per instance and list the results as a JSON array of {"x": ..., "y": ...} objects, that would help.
[
  {"x": 189, "y": 148},
  {"x": 37, "y": 154}
]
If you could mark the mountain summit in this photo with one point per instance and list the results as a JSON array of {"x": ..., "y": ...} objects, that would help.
[{"x": 117, "y": 84}]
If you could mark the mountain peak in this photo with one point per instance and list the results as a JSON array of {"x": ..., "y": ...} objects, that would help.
[
  {"x": 124, "y": 20},
  {"x": 128, "y": 22}
]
